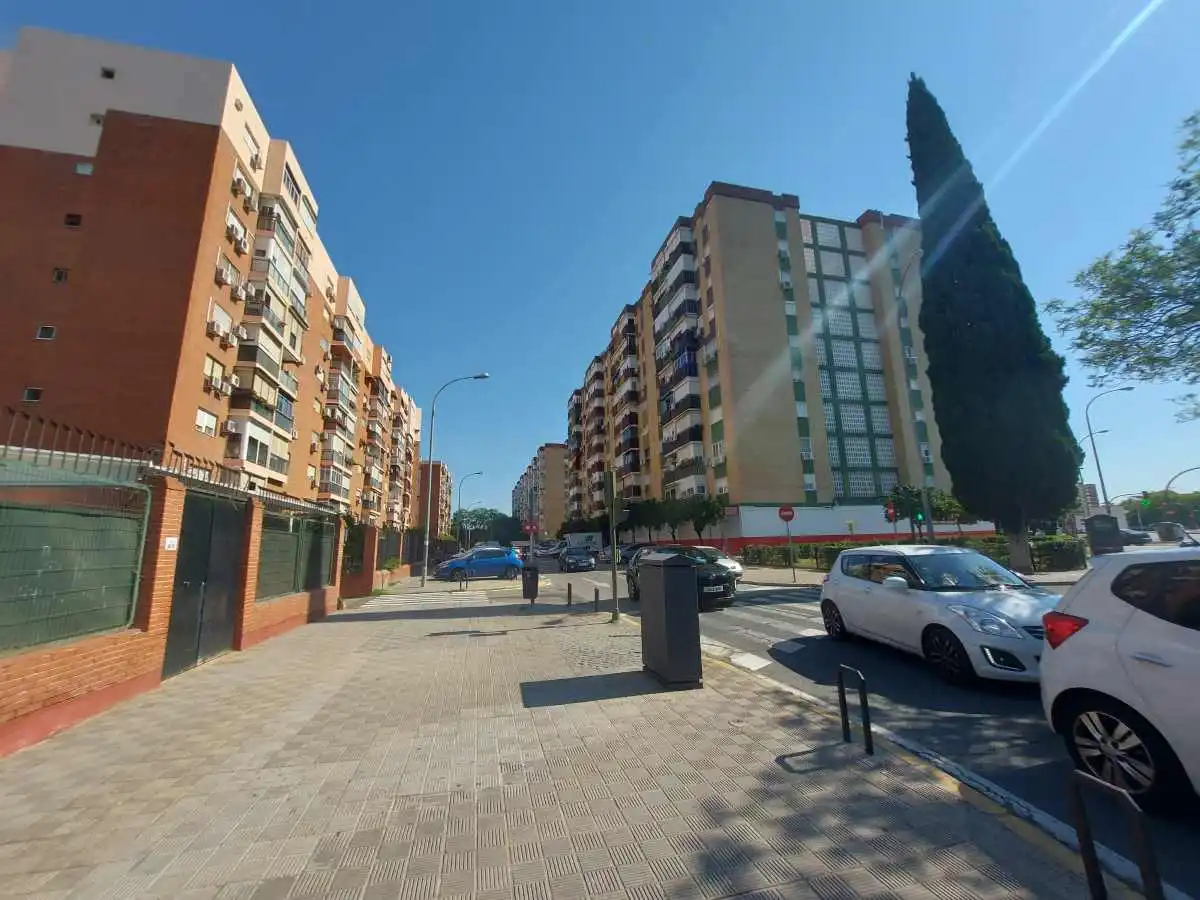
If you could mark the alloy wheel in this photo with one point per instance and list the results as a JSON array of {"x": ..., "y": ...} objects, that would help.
[
  {"x": 947, "y": 656},
  {"x": 1113, "y": 752},
  {"x": 832, "y": 617}
]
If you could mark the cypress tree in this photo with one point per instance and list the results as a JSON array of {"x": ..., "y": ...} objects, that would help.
[{"x": 997, "y": 383}]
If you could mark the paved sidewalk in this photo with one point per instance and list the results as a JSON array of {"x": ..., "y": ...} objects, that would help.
[
  {"x": 481, "y": 749},
  {"x": 764, "y": 575}
]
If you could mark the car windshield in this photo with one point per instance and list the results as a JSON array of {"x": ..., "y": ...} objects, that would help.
[
  {"x": 710, "y": 554},
  {"x": 970, "y": 571},
  {"x": 577, "y": 551}
]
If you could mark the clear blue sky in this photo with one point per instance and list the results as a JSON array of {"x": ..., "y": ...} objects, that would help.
[{"x": 496, "y": 176}]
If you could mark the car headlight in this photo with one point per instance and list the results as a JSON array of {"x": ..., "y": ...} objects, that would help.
[{"x": 985, "y": 622}]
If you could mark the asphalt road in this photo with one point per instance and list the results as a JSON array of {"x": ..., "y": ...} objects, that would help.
[{"x": 996, "y": 730}]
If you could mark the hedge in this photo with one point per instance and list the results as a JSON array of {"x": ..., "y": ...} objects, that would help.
[{"x": 1053, "y": 554}]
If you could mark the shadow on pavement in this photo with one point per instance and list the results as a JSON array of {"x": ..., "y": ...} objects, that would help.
[{"x": 587, "y": 688}]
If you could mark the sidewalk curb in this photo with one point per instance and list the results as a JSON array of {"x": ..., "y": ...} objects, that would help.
[{"x": 1028, "y": 822}]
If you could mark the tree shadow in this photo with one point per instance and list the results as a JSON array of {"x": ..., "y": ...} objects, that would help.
[{"x": 588, "y": 688}]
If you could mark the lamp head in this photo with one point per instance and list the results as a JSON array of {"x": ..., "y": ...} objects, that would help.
[{"x": 482, "y": 376}]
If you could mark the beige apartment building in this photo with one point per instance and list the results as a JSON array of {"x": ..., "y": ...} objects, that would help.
[
  {"x": 135, "y": 179},
  {"x": 434, "y": 477},
  {"x": 773, "y": 357},
  {"x": 540, "y": 494}
]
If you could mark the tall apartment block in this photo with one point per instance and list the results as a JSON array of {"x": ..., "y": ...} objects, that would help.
[
  {"x": 540, "y": 495},
  {"x": 773, "y": 357},
  {"x": 166, "y": 282},
  {"x": 434, "y": 477}
]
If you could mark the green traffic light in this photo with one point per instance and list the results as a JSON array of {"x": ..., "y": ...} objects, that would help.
[{"x": 920, "y": 517}]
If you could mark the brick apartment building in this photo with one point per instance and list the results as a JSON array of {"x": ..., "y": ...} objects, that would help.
[
  {"x": 166, "y": 282},
  {"x": 435, "y": 473}
]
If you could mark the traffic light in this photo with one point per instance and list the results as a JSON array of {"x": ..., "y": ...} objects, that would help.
[
  {"x": 920, "y": 516},
  {"x": 1145, "y": 498}
]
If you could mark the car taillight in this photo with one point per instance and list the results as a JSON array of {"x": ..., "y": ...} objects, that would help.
[
  {"x": 825, "y": 580},
  {"x": 1060, "y": 626}
]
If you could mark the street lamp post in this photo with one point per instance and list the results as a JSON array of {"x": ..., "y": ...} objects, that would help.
[
  {"x": 1092, "y": 439},
  {"x": 460, "y": 486},
  {"x": 480, "y": 376}
]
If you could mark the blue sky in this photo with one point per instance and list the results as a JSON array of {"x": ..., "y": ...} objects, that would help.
[{"x": 497, "y": 176}]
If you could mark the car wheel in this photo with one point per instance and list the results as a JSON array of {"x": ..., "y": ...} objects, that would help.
[
  {"x": 1107, "y": 739},
  {"x": 948, "y": 656},
  {"x": 835, "y": 627},
  {"x": 511, "y": 572}
]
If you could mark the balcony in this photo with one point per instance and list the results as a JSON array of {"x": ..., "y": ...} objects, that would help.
[
  {"x": 681, "y": 405},
  {"x": 682, "y": 272},
  {"x": 289, "y": 384},
  {"x": 689, "y": 467},
  {"x": 685, "y": 367},
  {"x": 284, "y": 421},
  {"x": 685, "y": 309},
  {"x": 277, "y": 464},
  {"x": 254, "y": 355},
  {"x": 631, "y": 466},
  {"x": 334, "y": 490},
  {"x": 692, "y": 435},
  {"x": 685, "y": 342},
  {"x": 344, "y": 337},
  {"x": 338, "y": 396},
  {"x": 629, "y": 398},
  {"x": 631, "y": 492},
  {"x": 256, "y": 309}
]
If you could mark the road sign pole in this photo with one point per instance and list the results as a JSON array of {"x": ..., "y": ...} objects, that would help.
[{"x": 613, "y": 503}]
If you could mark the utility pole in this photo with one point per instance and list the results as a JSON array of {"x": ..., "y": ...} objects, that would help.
[{"x": 616, "y": 515}]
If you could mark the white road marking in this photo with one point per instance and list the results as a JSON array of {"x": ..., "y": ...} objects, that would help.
[
  {"x": 749, "y": 661},
  {"x": 395, "y": 601}
]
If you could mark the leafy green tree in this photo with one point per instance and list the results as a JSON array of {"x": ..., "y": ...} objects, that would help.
[
  {"x": 948, "y": 508},
  {"x": 1183, "y": 508},
  {"x": 906, "y": 501},
  {"x": 704, "y": 510},
  {"x": 997, "y": 383},
  {"x": 1138, "y": 317},
  {"x": 651, "y": 517},
  {"x": 675, "y": 513}
]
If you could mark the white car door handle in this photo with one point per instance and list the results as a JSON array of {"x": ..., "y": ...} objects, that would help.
[{"x": 1152, "y": 658}]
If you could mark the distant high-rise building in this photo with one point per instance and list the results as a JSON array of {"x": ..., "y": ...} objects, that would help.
[
  {"x": 439, "y": 483},
  {"x": 540, "y": 495}
]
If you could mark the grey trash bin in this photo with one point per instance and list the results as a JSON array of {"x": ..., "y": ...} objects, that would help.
[
  {"x": 529, "y": 583},
  {"x": 670, "y": 619}
]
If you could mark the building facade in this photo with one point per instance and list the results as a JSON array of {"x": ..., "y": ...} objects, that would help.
[
  {"x": 772, "y": 358},
  {"x": 166, "y": 280},
  {"x": 436, "y": 477},
  {"x": 540, "y": 494}
]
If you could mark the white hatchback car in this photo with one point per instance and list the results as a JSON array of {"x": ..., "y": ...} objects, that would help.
[
  {"x": 1121, "y": 673},
  {"x": 965, "y": 613}
]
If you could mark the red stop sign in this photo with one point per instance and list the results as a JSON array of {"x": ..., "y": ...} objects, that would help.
[
  {"x": 531, "y": 528},
  {"x": 786, "y": 513}
]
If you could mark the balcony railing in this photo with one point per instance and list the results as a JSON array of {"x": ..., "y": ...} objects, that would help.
[
  {"x": 630, "y": 467},
  {"x": 686, "y": 308},
  {"x": 631, "y": 492},
  {"x": 687, "y": 367},
  {"x": 682, "y": 277},
  {"x": 277, "y": 464},
  {"x": 250, "y": 353},
  {"x": 693, "y": 466},
  {"x": 337, "y": 490},
  {"x": 284, "y": 421},
  {"x": 681, "y": 405},
  {"x": 289, "y": 383},
  {"x": 256, "y": 308},
  {"x": 686, "y": 341},
  {"x": 687, "y": 436}
]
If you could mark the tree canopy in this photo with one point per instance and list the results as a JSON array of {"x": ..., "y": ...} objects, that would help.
[
  {"x": 704, "y": 510},
  {"x": 997, "y": 383},
  {"x": 1138, "y": 314},
  {"x": 485, "y": 524}
]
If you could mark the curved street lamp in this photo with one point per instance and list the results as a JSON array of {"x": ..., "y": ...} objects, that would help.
[
  {"x": 481, "y": 376},
  {"x": 460, "y": 486},
  {"x": 1091, "y": 435}
]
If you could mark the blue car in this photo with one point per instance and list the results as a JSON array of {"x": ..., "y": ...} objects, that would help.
[{"x": 482, "y": 562}]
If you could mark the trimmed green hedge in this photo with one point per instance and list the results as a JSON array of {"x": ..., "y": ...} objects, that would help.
[{"x": 1054, "y": 554}]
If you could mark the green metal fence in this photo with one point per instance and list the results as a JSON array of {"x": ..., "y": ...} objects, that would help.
[
  {"x": 67, "y": 571},
  {"x": 295, "y": 554}
]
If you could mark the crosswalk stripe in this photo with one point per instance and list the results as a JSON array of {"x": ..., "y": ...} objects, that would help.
[{"x": 390, "y": 601}]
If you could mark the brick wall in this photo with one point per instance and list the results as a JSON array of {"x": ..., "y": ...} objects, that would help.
[{"x": 50, "y": 688}]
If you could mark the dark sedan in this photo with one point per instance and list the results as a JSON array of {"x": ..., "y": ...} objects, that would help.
[
  {"x": 576, "y": 559},
  {"x": 716, "y": 586}
]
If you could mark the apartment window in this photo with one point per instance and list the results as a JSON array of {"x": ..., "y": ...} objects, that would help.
[
  {"x": 718, "y": 451},
  {"x": 830, "y": 415},
  {"x": 866, "y": 326},
  {"x": 289, "y": 185},
  {"x": 801, "y": 409},
  {"x": 832, "y": 264},
  {"x": 31, "y": 395},
  {"x": 231, "y": 271},
  {"x": 838, "y": 490},
  {"x": 806, "y": 448},
  {"x": 839, "y": 322},
  {"x": 806, "y": 233},
  {"x": 108, "y": 74},
  {"x": 45, "y": 332},
  {"x": 96, "y": 118},
  {"x": 871, "y": 357},
  {"x": 876, "y": 388},
  {"x": 213, "y": 369},
  {"x": 810, "y": 481},
  {"x": 835, "y": 453},
  {"x": 837, "y": 293},
  {"x": 794, "y": 341},
  {"x": 814, "y": 295},
  {"x": 913, "y": 384},
  {"x": 829, "y": 235},
  {"x": 206, "y": 422},
  {"x": 849, "y": 386},
  {"x": 311, "y": 473},
  {"x": 257, "y": 451},
  {"x": 844, "y": 356},
  {"x": 858, "y": 451},
  {"x": 919, "y": 415},
  {"x": 881, "y": 420},
  {"x": 887, "y": 482},
  {"x": 810, "y": 259},
  {"x": 217, "y": 315},
  {"x": 821, "y": 353},
  {"x": 862, "y": 294},
  {"x": 250, "y": 143},
  {"x": 853, "y": 417},
  {"x": 858, "y": 266},
  {"x": 862, "y": 484},
  {"x": 926, "y": 453},
  {"x": 84, "y": 168},
  {"x": 58, "y": 276},
  {"x": 789, "y": 308},
  {"x": 308, "y": 214},
  {"x": 826, "y": 384},
  {"x": 885, "y": 451},
  {"x": 853, "y": 238}
]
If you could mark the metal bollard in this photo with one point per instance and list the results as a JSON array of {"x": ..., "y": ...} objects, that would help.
[
  {"x": 596, "y": 600},
  {"x": 568, "y": 593},
  {"x": 863, "y": 705},
  {"x": 1147, "y": 862}
]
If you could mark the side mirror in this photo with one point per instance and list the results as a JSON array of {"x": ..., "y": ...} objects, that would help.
[{"x": 895, "y": 583}]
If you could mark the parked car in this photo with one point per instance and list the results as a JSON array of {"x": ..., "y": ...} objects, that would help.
[
  {"x": 482, "y": 562},
  {"x": 576, "y": 559},
  {"x": 1120, "y": 673},
  {"x": 628, "y": 551},
  {"x": 963, "y": 612},
  {"x": 1137, "y": 538},
  {"x": 715, "y": 584},
  {"x": 723, "y": 559},
  {"x": 548, "y": 551}
]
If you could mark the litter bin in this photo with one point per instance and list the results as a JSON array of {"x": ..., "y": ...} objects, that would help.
[
  {"x": 529, "y": 583},
  {"x": 1103, "y": 534},
  {"x": 670, "y": 619}
]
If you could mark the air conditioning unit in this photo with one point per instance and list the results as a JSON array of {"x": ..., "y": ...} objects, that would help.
[
  {"x": 213, "y": 329},
  {"x": 329, "y": 295},
  {"x": 222, "y": 276},
  {"x": 256, "y": 161},
  {"x": 239, "y": 185},
  {"x": 211, "y": 383},
  {"x": 233, "y": 426},
  {"x": 233, "y": 340},
  {"x": 313, "y": 447},
  {"x": 242, "y": 333},
  {"x": 295, "y": 434},
  {"x": 232, "y": 232},
  {"x": 227, "y": 386},
  {"x": 227, "y": 339},
  {"x": 251, "y": 203},
  {"x": 235, "y": 381},
  {"x": 242, "y": 245}
]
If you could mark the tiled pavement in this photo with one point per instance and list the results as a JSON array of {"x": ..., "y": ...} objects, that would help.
[{"x": 455, "y": 749}]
